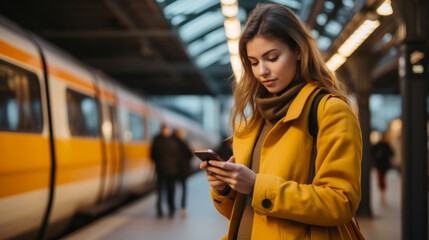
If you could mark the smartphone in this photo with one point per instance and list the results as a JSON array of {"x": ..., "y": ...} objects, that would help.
[{"x": 207, "y": 154}]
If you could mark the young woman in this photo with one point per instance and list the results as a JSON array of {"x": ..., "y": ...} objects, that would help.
[{"x": 263, "y": 188}]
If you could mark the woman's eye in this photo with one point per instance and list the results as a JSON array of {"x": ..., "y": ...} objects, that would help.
[
  {"x": 273, "y": 59},
  {"x": 253, "y": 63}
]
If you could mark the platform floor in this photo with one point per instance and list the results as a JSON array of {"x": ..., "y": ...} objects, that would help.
[{"x": 138, "y": 220}]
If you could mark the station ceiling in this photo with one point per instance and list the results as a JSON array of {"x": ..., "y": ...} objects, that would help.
[{"x": 170, "y": 47}]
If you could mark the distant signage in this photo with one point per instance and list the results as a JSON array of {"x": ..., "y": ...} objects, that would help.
[{"x": 413, "y": 64}]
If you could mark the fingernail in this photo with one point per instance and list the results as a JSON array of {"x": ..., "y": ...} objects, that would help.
[{"x": 209, "y": 161}]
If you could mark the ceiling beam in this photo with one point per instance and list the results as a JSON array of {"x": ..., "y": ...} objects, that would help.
[
  {"x": 121, "y": 14},
  {"x": 109, "y": 34},
  {"x": 121, "y": 66},
  {"x": 315, "y": 10}
]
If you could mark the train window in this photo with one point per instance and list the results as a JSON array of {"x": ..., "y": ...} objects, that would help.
[
  {"x": 155, "y": 127},
  {"x": 20, "y": 100},
  {"x": 136, "y": 127},
  {"x": 82, "y": 111}
]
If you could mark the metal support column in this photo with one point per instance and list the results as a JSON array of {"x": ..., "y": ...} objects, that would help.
[
  {"x": 414, "y": 77},
  {"x": 359, "y": 66}
]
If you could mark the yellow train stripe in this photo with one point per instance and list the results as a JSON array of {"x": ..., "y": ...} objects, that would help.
[
  {"x": 24, "y": 163},
  {"x": 19, "y": 55},
  {"x": 137, "y": 155}
]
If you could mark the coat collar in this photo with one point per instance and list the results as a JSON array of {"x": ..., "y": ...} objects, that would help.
[
  {"x": 298, "y": 103},
  {"x": 243, "y": 152}
]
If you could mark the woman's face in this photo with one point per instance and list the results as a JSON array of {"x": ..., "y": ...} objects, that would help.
[{"x": 273, "y": 62}]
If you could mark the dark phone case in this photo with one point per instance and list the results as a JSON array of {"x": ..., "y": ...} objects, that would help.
[{"x": 207, "y": 154}]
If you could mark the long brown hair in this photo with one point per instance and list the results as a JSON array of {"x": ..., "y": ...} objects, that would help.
[{"x": 274, "y": 21}]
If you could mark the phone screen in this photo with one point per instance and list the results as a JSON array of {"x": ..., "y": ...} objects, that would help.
[{"x": 207, "y": 154}]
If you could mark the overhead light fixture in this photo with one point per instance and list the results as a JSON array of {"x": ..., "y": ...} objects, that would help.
[
  {"x": 358, "y": 37},
  {"x": 233, "y": 46},
  {"x": 228, "y": 2},
  {"x": 385, "y": 9},
  {"x": 335, "y": 62},
  {"x": 232, "y": 30},
  {"x": 230, "y": 11},
  {"x": 352, "y": 43},
  {"x": 236, "y": 66}
]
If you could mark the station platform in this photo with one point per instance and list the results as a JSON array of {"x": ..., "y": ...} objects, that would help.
[{"x": 138, "y": 220}]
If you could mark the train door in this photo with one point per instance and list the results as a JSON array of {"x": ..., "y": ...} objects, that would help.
[
  {"x": 112, "y": 151},
  {"x": 25, "y": 153},
  {"x": 110, "y": 138},
  {"x": 78, "y": 145}
]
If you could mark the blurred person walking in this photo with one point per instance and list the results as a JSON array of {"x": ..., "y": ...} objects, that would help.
[
  {"x": 184, "y": 156},
  {"x": 382, "y": 153},
  {"x": 166, "y": 168}
]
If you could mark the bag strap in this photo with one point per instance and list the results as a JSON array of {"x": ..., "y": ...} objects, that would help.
[{"x": 313, "y": 129}]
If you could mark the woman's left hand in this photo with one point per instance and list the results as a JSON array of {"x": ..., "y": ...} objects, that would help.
[{"x": 237, "y": 176}]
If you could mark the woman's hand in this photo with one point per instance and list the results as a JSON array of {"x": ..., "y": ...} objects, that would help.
[
  {"x": 214, "y": 182},
  {"x": 237, "y": 176}
]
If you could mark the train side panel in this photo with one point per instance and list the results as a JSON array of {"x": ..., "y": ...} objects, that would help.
[
  {"x": 137, "y": 168},
  {"x": 24, "y": 142},
  {"x": 75, "y": 116}
]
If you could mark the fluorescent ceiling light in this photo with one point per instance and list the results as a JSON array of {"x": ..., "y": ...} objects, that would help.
[
  {"x": 228, "y": 2},
  {"x": 357, "y": 38},
  {"x": 236, "y": 66},
  {"x": 335, "y": 62},
  {"x": 233, "y": 46},
  {"x": 385, "y": 9},
  {"x": 230, "y": 11},
  {"x": 352, "y": 43},
  {"x": 232, "y": 28}
]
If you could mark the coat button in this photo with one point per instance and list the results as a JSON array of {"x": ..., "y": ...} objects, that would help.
[{"x": 266, "y": 203}]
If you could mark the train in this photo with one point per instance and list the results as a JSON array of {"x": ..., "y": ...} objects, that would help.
[{"x": 72, "y": 139}]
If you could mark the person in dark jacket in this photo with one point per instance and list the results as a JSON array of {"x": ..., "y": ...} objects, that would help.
[
  {"x": 161, "y": 153},
  {"x": 382, "y": 152},
  {"x": 184, "y": 155}
]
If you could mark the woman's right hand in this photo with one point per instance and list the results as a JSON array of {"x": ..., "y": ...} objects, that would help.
[{"x": 214, "y": 182}]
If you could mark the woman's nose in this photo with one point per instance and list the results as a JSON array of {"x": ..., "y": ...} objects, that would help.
[{"x": 263, "y": 69}]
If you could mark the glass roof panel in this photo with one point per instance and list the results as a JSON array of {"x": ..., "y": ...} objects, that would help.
[
  {"x": 213, "y": 55},
  {"x": 200, "y": 23},
  {"x": 333, "y": 28},
  {"x": 334, "y": 17},
  {"x": 188, "y": 7},
  {"x": 208, "y": 41}
]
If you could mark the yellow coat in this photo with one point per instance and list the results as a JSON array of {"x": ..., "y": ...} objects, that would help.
[{"x": 285, "y": 207}]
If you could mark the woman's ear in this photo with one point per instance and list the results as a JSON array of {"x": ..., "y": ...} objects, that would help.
[{"x": 298, "y": 54}]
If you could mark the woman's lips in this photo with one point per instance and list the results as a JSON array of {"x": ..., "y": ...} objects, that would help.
[{"x": 268, "y": 82}]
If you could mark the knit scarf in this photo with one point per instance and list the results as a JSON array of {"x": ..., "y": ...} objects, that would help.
[{"x": 273, "y": 107}]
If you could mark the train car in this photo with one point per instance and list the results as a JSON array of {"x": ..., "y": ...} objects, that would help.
[{"x": 71, "y": 138}]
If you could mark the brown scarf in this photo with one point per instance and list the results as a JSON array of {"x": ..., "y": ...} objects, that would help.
[{"x": 273, "y": 107}]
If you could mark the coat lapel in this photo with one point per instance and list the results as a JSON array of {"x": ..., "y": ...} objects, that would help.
[
  {"x": 298, "y": 103},
  {"x": 243, "y": 145}
]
